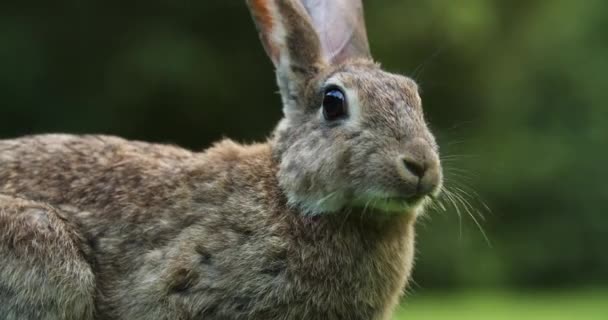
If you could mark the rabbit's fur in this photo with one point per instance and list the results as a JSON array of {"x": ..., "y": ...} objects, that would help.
[{"x": 304, "y": 226}]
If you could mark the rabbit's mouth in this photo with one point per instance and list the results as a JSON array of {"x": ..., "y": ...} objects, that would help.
[{"x": 394, "y": 204}]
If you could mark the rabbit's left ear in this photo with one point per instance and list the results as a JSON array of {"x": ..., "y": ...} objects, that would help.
[
  {"x": 340, "y": 25},
  {"x": 287, "y": 34}
]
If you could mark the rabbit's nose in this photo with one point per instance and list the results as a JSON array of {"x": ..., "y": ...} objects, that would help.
[
  {"x": 414, "y": 167},
  {"x": 420, "y": 168}
]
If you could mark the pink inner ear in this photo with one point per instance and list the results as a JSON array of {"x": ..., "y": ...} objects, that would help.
[{"x": 341, "y": 28}]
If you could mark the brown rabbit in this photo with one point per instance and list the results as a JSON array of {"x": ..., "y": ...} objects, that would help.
[{"x": 316, "y": 223}]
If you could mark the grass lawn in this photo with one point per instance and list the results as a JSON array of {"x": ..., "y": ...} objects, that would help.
[{"x": 563, "y": 305}]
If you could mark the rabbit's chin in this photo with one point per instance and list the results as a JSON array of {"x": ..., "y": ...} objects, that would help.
[{"x": 376, "y": 202}]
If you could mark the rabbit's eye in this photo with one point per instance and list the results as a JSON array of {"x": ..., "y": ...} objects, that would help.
[{"x": 334, "y": 104}]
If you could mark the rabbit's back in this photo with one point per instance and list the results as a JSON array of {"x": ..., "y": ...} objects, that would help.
[{"x": 75, "y": 169}]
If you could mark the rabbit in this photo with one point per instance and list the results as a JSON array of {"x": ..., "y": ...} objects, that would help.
[{"x": 317, "y": 222}]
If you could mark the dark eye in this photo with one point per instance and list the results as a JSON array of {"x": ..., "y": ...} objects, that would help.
[{"x": 334, "y": 104}]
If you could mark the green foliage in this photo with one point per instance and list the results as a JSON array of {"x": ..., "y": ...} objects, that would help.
[{"x": 515, "y": 91}]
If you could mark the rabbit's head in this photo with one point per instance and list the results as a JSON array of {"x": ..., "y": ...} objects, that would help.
[{"x": 353, "y": 134}]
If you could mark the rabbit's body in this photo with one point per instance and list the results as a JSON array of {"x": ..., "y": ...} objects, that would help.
[
  {"x": 316, "y": 223},
  {"x": 157, "y": 232}
]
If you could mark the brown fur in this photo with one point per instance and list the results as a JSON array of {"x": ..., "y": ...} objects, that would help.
[
  {"x": 166, "y": 241},
  {"x": 97, "y": 227},
  {"x": 44, "y": 273}
]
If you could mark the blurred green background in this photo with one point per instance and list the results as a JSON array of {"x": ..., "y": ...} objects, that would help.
[{"x": 515, "y": 91}]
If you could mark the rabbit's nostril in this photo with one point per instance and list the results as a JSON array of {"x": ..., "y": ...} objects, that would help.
[{"x": 416, "y": 168}]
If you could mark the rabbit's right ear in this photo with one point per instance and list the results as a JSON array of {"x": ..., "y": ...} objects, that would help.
[{"x": 288, "y": 36}]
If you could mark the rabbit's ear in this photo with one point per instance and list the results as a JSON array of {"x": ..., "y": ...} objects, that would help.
[
  {"x": 340, "y": 25},
  {"x": 287, "y": 34}
]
